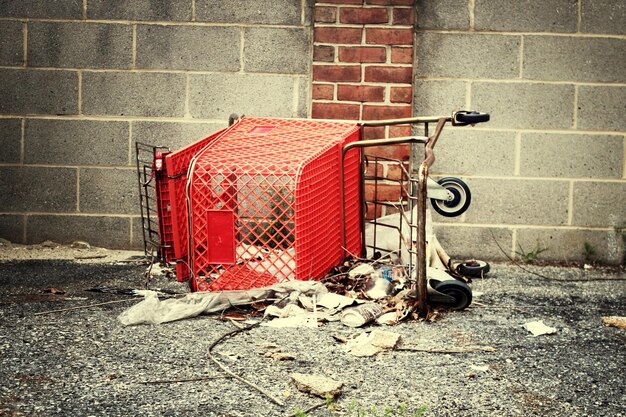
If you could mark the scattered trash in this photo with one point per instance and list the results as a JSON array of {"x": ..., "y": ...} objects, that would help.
[
  {"x": 363, "y": 314},
  {"x": 538, "y": 328},
  {"x": 79, "y": 244},
  {"x": 53, "y": 290},
  {"x": 480, "y": 368},
  {"x": 154, "y": 311},
  {"x": 587, "y": 267},
  {"x": 615, "y": 321},
  {"x": 378, "y": 288},
  {"x": 373, "y": 343},
  {"x": 317, "y": 385},
  {"x": 364, "y": 269}
]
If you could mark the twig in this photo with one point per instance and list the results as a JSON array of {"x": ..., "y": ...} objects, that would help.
[
  {"x": 308, "y": 410},
  {"x": 452, "y": 350},
  {"x": 173, "y": 381},
  {"x": 83, "y": 257},
  {"x": 229, "y": 372},
  {"x": 82, "y": 307}
]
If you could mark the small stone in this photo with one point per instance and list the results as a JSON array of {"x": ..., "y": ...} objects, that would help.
[
  {"x": 318, "y": 385},
  {"x": 79, "y": 244},
  {"x": 4, "y": 242},
  {"x": 283, "y": 356},
  {"x": 49, "y": 244}
]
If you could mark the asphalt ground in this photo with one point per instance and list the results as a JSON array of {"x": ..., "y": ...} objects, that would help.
[{"x": 83, "y": 362}]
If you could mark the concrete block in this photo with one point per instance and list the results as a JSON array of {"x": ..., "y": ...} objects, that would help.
[
  {"x": 163, "y": 10},
  {"x": 442, "y": 14},
  {"x": 215, "y": 96},
  {"x": 603, "y": 16},
  {"x": 515, "y": 201},
  {"x": 277, "y": 50},
  {"x": 75, "y": 142},
  {"x": 525, "y": 105},
  {"x": 12, "y": 227},
  {"x": 602, "y": 108},
  {"x": 136, "y": 241},
  {"x": 37, "y": 189},
  {"x": 526, "y": 16},
  {"x": 272, "y": 12},
  {"x": 134, "y": 94},
  {"x": 56, "y": 9},
  {"x": 467, "y": 56},
  {"x": 188, "y": 47},
  {"x": 38, "y": 92},
  {"x": 432, "y": 98},
  {"x": 12, "y": 45},
  {"x": 108, "y": 190},
  {"x": 303, "y": 97},
  {"x": 569, "y": 244},
  {"x": 465, "y": 151},
  {"x": 571, "y": 156},
  {"x": 10, "y": 139},
  {"x": 174, "y": 135},
  {"x": 574, "y": 59},
  {"x": 79, "y": 45},
  {"x": 101, "y": 231},
  {"x": 600, "y": 204},
  {"x": 471, "y": 242}
]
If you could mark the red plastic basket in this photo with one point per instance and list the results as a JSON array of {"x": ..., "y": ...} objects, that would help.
[{"x": 260, "y": 203}]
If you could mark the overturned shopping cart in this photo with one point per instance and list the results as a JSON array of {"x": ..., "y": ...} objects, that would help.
[{"x": 267, "y": 200}]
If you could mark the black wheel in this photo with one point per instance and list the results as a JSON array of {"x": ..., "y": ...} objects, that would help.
[
  {"x": 473, "y": 268},
  {"x": 471, "y": 117},
  {"x": 458, "y": 290},
  {"x": 461, "y": 201},
  {"x": 232, "y": 119}
]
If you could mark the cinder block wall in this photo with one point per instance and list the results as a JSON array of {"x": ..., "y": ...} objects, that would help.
[
  {"x": 82, "y": 80},
  {"x": 549, "y": 170}
]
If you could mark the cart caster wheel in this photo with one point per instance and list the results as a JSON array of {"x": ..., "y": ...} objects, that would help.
[
  {"x": 461, "y": 201},
  {"x": 470, "y": 117},
  {"x": 458, "y": 290},
  {"x": 473, "y": 268},
  {"x": 232, "y": 119}
]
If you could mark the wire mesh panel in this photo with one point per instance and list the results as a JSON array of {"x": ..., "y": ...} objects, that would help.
[
  {"x": 176, "y": 166},
  {"x": 264, "y": 203}
]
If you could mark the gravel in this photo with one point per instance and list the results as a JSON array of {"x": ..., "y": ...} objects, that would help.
[{"x": 84, "y": 363}]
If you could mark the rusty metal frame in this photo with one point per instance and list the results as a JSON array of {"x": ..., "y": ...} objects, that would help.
[{"x": 417, "y": 197}]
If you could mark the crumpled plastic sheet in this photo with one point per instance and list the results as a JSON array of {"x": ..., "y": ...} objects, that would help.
[{"x": 152, "y": 310}]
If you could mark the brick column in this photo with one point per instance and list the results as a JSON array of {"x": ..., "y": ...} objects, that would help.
[{"x": 363, "y": 68}]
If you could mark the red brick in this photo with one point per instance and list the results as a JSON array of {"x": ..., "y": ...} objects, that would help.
[
  {"x": 322, "y": 53},
  {"x": 362, "y": 54},
  {"x": 342, "y": 1},
  {"x": 389, "y": 36},
  {"x": 374, "y": 132},
  {"x": 395, "y": 172},
  {"x": 403, "y": 16},
  {"x": 401, "y": 94},
  {"x": 382, "y": 192},
  {"x": 375, "y": 112},
  {"x": 374, "y": 211},
  {"x": 401, "y": 55},
  {"x": 323, "y": 91},
  {"x": 360, "y": 93},
  {"x": 363, "y": 16},
  {"x": 390, "y": 2},
  {"x": 373, "y": 169},
  {"x": 398, "y": 152},
  {"x": 325, "y": 14},
  {"x": 336, "y": 73},
  {"x": 388, "y": 74},
  {"x": 337, "y": 35},
  {"x": 399, "y": 130},
  {"x": 335, "y": 111}
]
